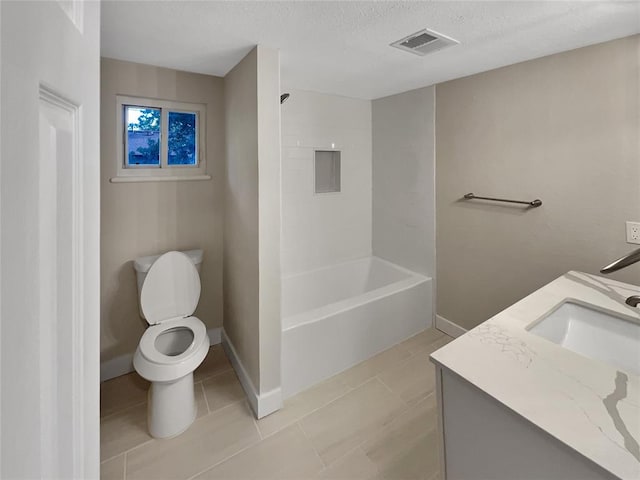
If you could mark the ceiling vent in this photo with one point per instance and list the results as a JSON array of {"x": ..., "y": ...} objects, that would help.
[{"x": 424, "y": 42}]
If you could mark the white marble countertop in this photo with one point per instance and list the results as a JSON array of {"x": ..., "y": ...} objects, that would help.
[{"x": 588, "y": 405}]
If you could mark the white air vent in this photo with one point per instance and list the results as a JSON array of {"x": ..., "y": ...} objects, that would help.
[{"x": 424, "y": 42}]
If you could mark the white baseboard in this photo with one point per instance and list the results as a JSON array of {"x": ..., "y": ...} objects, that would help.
[
  {"x": 448, "y": 327},
  {"x": 123, "y": 364},
  {"x": 269, "y": 402},
  {"x": 215, "y": 335},
  {"x": 117, "y": 366},
  {"x": 261, "y": 404}
]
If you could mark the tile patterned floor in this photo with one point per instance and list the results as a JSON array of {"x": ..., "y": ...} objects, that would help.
[{"x": 376, "y": 420}]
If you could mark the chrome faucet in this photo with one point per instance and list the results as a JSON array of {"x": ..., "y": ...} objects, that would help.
[{"x": 622, "y": 262}]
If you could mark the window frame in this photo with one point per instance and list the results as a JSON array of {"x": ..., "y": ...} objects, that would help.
[{"x": 164, "y": 171}]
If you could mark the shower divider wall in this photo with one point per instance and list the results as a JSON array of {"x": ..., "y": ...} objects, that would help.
[{"x": 337, "y": 316}]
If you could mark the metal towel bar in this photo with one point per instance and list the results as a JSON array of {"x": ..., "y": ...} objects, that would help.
[{"x": 532, "y": 204}]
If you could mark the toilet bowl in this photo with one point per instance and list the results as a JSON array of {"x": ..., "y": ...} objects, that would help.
[{"x": 173, "y": 345}]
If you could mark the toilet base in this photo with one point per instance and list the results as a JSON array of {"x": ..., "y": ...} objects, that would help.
[{"x": 171, "y": 407}]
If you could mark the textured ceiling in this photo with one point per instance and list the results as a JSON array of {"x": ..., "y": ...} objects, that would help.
[{"x": 343, "y": 47}]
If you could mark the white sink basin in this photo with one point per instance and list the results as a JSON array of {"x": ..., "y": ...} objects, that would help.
[{"x": 593, "y": 333}]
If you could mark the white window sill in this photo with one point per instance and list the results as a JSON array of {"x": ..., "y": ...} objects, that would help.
[{"x": 149, "y": 178}]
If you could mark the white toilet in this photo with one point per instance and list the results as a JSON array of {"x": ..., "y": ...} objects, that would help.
[{"x": 175, "y": 343}]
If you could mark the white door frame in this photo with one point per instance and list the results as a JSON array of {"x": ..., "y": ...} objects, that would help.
[{"x": 49, "y": 239}]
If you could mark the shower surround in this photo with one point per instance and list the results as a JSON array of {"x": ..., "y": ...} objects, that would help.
[{"x": 342, "y": 301}]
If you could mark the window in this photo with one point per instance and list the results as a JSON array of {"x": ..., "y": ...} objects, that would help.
[{"x": 160, "y": 140}]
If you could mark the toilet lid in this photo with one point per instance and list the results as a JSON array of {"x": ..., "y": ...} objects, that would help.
[{"x": 171, "y": 288}]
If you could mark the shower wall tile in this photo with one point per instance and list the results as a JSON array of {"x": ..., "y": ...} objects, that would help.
[
  {"x": 404, "y": 179},
  {"x": 324, "y": 229}
]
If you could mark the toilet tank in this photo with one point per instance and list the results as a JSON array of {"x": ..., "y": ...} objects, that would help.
[{"x": 142, "y": 265}]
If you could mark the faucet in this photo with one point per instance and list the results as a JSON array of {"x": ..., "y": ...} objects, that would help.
[{"x": 622, "y": 262}]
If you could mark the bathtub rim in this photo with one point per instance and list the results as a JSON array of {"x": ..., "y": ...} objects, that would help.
[{"x": 350, "y": 261}]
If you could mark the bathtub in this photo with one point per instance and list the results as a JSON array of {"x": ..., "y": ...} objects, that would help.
[{"x": 338, "y": 316}]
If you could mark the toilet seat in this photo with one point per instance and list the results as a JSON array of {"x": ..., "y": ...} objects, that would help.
[
  {"x": 148, "y": 341},
  {"x": 158, "y": 367}
]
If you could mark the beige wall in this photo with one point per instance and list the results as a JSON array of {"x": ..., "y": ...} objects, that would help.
[
  {"x": 241, "y": 282},
  {"x": 252, "y": 216},
  {"x": 403, "y": 179},
  {"x": 564, "y": 129},
  {"x": 269, "y": 216},
  {"x": 149, "y": 218}
]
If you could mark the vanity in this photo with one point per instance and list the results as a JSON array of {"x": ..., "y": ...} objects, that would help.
[{"x": 547, "y": 389}]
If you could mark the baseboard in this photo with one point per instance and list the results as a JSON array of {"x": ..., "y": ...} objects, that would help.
[
  {"x": 123, "y": 364},
  {"x": 117, "y": 366},
  {"x": 215, "y": 335},
  {"x": 448, "y": 327},
  {"x": 261, "y": 404}
]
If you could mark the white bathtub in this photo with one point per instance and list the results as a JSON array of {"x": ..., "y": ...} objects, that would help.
[{"x": 338, "y": 316}]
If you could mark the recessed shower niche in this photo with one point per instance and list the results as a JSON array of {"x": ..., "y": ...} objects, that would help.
[{"x": 327, "y": 171}]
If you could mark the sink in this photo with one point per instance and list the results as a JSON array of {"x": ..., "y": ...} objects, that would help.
[{"x": 594, "y": 333}]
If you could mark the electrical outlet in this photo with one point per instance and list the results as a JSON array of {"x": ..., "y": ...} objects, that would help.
[{"x": 633, "y": 232}]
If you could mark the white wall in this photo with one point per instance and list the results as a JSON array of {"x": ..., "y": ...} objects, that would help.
[
  {"x": 404, "y": 179},
  {"x": 325, "y": 229}
]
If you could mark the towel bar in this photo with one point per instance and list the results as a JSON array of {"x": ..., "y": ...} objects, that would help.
[{"x": 532, "y": 204}]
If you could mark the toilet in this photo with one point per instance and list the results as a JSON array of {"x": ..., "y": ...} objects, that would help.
[{"x": 175, "y": 342}]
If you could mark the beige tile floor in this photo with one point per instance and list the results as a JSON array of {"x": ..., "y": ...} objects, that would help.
[{"x": 376, "y": 420}]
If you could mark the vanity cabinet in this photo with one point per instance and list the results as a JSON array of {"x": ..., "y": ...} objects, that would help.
[{"x": 484, "y": 440}]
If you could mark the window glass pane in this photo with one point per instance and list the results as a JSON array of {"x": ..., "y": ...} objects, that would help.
[
  {"x": 182, "y": 138},
  {"x": 143, "y": 136}
]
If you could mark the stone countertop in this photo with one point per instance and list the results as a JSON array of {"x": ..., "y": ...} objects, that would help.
[{"x": 588, "y": 405}]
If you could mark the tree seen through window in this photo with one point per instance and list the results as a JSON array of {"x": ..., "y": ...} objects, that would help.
[
  {"x": 143, "y": 135},
  {"x": 182, "y": 138}
]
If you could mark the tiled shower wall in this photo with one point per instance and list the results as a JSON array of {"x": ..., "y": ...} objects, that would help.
[
  {"x": 403, "y": 179},
  {"x": 328, "y": 228}
]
